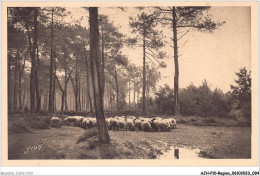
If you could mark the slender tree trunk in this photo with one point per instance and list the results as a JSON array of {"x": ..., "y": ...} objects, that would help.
[
  {"x": 65, "y": 80},
  {"x": 21, "y": 102},
  {"x": 51, "y": 70},
  {"x": 76, "y": 86},
  {"x": 144, "y": 73},
  {"x": 102, "y": 64},
  {"x": 38, "y": 96},
  {"x": 79, "y": 95},
  {"x": 9, "y": 84},
  {"x": 24, "y": 93},
  {"x": 95, "y": 69},
  {"x": 138, "y": 91},
  {"x": 88, "y": 82},
  {"x": 19, "y": 84},
  {"x": 15, "y": 81},
  {"x": 176, "y": 64},
  {"x": 33, "y": 63},
  {"x": 117, "y": 91},
  {"x": 62, "y": 101},
  {"x": 134, "y": 96},
  {"x": 110, "y": 97},
  {"x": 129, "y": 95},
  {"x": 54, "y": 86}
]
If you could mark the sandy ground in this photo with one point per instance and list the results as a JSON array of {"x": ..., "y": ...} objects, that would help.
[{"x": 61, "y": 143}]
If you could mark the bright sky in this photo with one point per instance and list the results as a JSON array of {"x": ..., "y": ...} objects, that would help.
[{"x": 212, "y": 56}]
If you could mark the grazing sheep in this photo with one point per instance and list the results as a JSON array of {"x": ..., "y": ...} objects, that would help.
[
  {"x": 122, "y": 118},
  {"x": 162, "y": 125},
  {"x": 153, "y": 125},
  {"x": 56, "y": 122},
  {"x": 131, "y": 117},
  {"x": 158, "y": 118},
  {"x": 146, "y": 126},
  {"x": 78, "y": 120},
  {"x": 138, "y": 124},
  {"x": 130, "y": 124},
  {"x": 114, "y": 124},
  {"x": 171, "y": 122},
  {"x": 70, "y": 121},
  {"x": 92, "y": 122},
  {"x": 121, "y": 124},
  {"x": 85, "y": 123},
  {"x": 108, "y": 123},
  {"x": 55, "y": 119},
  {"x": 74, "y": 120}
]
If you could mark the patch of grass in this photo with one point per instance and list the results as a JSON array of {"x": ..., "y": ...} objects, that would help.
[
  {"x": 181, "y": 121},
  {"x": 60, "y": 156},
  {"x": 209, "y": 120},
  {"x": 129, "y": 145},
  {"x": 86, "y": 156},
  {"x": 39, "y": 125},
  {"x": 88, "y": 134},
  {"x": 19, "y": 128}
]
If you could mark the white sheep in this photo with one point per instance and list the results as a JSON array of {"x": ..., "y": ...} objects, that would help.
[
  {"x": 114, "y": 124},
  {"x": 56, "y": 122},
  {"x": 146, "y": 126},
  {"x": 130, "y": 124},
  {"x": 108, "y": 123},
  {"x": 162, "y": 125},
  {"x": 92, "y": 122},
  {"x": 138, "y": 124},
  {"x": 74, "y": 120},
  {"x": 121, "y": 124},
  {"x": 85, "y": 122}
]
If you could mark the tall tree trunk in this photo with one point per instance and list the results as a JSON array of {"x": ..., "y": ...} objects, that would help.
[
  {"x": 129, "y": 96},
  {"x": 65, "y": 84},
  {"x": 117, "y": 91},
  {"x": 9, "y": 84},
  {"x": 88, "y": 82},
  {"x": 144, "y": 72},
  {"x": 79, "y": 95},
  {"x": 24, "y": 91},
  {"x": 37, "y": 87},
  {"x": 134, "y": 95},
  {"x": 33, "y": 62},
  {"x": 21, "y": 102},
  {"x": 54, "y": 86},
  {"x": 19, "y": 84},
  {"x": 95, "y": 69},
  {"x": 110, "y": 97},
  {"x": 76, "y": 86},
  {"x": 51, "y": 69},
  {"x": 15, "y": 80},
  {"x": 138, "y": 91},
  {"x": 62, "y": 101},
  {"x": 102, "y": 64},
  {"x": 176, "y": 64}
]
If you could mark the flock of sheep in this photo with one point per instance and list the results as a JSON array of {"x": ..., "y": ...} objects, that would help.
[{"x": 130, "y": 123}]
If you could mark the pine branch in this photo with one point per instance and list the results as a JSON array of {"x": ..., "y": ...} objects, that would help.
[{"x": 184, "y": 34}]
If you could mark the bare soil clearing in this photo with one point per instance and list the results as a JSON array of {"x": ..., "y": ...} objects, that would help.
[{"x": 61, "y": 143}]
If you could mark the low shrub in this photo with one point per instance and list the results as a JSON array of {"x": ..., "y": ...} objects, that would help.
[
  {"x": 41, "y": 124},
  {"x": 19, "y": 128}
]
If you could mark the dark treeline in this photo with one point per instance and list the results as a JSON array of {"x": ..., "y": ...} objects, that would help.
[
  {"x": 205, "y": 102},
  {"x": 49, "y": 63}
]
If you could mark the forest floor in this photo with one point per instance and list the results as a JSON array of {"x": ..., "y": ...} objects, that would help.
[{"x": 64, "y": 143}]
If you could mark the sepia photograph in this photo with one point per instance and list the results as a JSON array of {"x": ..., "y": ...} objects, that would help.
[{"x": 134, "y": 82}]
